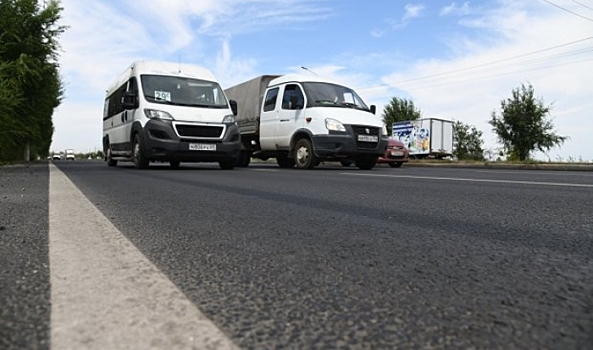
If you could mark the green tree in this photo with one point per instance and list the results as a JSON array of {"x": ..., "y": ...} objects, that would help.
[
  {"x": 524, "y": 125},
  {"x": 399, "y": 110},
  {"x": 29, "y": 74},
  {"x": 467, "y": 142}
]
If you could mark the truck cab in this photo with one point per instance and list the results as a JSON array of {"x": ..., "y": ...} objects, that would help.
[{"x": 305, "y": 120}]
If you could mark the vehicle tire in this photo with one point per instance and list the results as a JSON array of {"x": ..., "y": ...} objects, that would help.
[
  {"x": 304, "y": 156},
  {"x": 140, "y": 161},
  {"x": 244, "y": 159},
  {"x": 395, "y": 164},
  {"x": 346, "y": 163},
  {"x": 367, "y": 162},
  {"x": 174, "y": 164},
  {"x": 227, "y": 164},
  {"x": 110, "y": 161},
  {"x": 284, "y": 161}
]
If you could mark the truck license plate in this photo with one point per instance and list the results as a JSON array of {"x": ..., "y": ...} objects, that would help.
[
  {"x": 202, "y": 147},
  {"x": 368, "y": 138}
]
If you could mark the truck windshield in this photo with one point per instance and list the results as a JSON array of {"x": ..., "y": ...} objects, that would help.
[
  {"x": 183, "y": 91},
  {"x": 332, "y": 95}
]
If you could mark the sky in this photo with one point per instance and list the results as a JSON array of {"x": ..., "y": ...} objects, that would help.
[{"x": 454, "y": 60}]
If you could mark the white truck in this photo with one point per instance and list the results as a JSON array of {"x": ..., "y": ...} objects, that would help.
[
  {"x": 70, "y": 154},
  {"x": 169, "y": 112},
  {"x": 304, "y": 120},
  {"x": 426, "y": 138}
]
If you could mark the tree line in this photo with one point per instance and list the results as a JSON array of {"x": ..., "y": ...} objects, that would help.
[
  {"x": 523, "y": 126},
  {"x": 30, "y": 85}
]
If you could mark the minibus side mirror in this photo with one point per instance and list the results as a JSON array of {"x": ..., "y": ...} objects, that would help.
[
  {"x": 129, "y": 100},
  {"x": 233, "y": 104},
  {"x": 373, "y": 109}
]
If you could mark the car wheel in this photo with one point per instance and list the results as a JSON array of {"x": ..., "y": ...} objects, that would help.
[
  {"x": 174, "y": 164},
  {"x": 367, "y": 162},
  {"x": 284, "y": 161},
  {"x": 395, "y": 164},
  {"x": 304, "y": 157},
  {"x": 140, "y": 161},
  {"x": 227, "y": 164},
  {"x": 346, "y": 163},
  {"x": 110, "y": 160}
]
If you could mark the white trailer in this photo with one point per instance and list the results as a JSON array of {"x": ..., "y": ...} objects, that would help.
[{"x": 426, "y": 138}]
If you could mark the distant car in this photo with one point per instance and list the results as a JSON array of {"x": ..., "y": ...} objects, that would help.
[
  {"x": 396, "y": 154},
  {"x": 56, "y": 156}
]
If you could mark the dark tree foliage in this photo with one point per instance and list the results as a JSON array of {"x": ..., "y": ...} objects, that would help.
[
  {"x": 467, "y": 142},
  {"x": 30, "y": 86},
  {"x": 399, "y": 110},
  {"x": 524, "y": 125}
]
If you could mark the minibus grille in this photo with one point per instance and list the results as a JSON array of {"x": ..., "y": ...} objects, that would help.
[{"x": 209, "y": 131}]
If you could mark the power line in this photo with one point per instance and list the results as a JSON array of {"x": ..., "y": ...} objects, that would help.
[
  {"x": 494, "y": 62},
  {"x": 520, "y": 66},
  {"x": 585, "y": 6},
  {"x": 567, "y": 10}
]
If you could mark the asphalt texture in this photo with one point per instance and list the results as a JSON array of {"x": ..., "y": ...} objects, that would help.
[
  {"x": 24, "y": 262},
  {"x": 339, "y": 258}
]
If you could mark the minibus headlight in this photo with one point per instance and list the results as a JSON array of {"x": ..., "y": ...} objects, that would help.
[
  {"x": 156, "y": 114},
  {"x": 334, "y": 125},
  {"x": 384, "y": 130},
  {"x": 229, "y": 119}
]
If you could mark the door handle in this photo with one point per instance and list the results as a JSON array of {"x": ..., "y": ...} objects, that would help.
[{"x": 284, "y": 120}]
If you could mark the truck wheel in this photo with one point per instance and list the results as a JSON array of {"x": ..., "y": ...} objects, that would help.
[
  {"x": 284, "y": 161},
  {"x": 367, "y": 162},
  {"x": 227, "y": 164},
  {"x": 174, "y": 164},
  {"x": 140, "y": 161},
  {"x": 395, "y": 164},
  {"x": 304, "y": 157},
  {"x": 110, "y": 161}
]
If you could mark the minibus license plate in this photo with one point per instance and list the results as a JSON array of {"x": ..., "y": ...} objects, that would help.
[
  {"x": 202, "y": 147},
  {"x": 368, "y": 138}
]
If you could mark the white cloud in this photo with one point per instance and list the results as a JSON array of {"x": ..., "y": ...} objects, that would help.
[{"x": 560, "y": 76}]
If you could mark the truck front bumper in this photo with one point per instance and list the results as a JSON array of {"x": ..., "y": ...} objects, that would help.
[{"x": 346, "y": 146}]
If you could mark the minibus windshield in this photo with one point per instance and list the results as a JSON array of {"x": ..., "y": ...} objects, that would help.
[{"x": 183, "y": 91}]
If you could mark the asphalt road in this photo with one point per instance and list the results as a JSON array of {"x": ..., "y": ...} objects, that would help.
[{"x": 333, "y": 258}]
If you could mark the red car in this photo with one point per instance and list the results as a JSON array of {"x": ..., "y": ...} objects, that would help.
[{"x": 395, "y": 155}]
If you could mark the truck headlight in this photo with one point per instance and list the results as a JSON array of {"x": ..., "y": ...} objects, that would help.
[
  {"x": 334, "y": 125},
  {"x": 156, "y": 114},
  {"x": 229, "y": 119}
]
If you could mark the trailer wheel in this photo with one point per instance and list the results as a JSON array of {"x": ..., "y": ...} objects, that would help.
[
  {"x": 304, "y": 157},
  {"x": 140, "y": 161}
]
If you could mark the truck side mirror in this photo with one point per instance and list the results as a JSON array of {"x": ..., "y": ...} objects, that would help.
[
  {"x": 373, "y": 109},
  {"x": 129, "y": 100},
  {"x": 233, "y": 104}
]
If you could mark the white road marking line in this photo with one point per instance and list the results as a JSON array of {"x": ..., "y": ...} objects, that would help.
[
  {"x": 105, "y": 294},
  {"x": 474, "y": 180}
]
